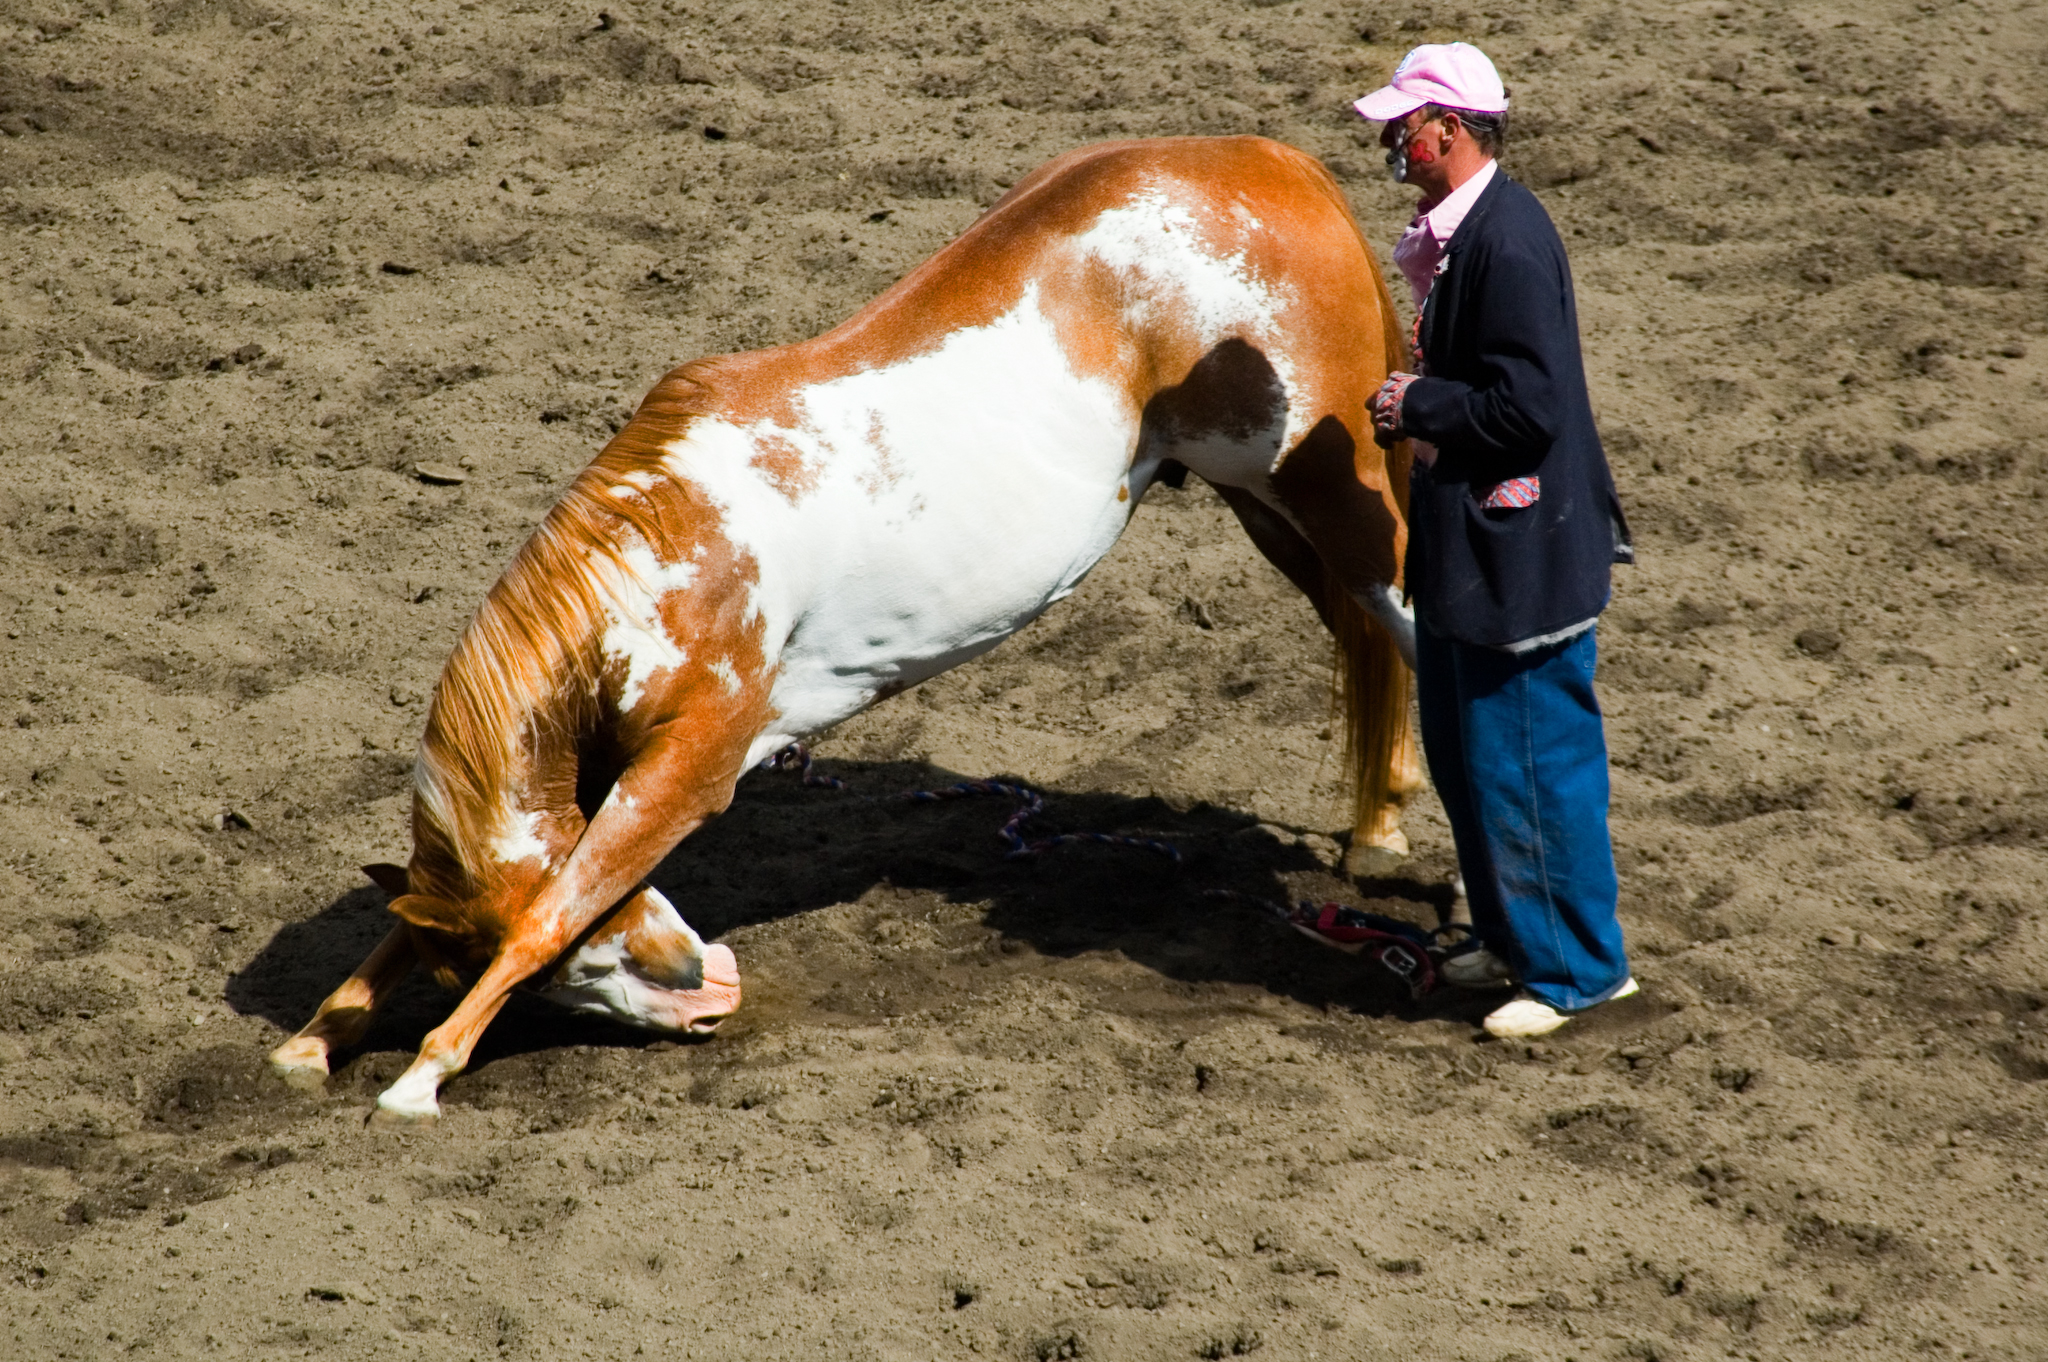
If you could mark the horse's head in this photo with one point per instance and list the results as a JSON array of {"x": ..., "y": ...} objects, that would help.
[{"x": 459, "y": 914}]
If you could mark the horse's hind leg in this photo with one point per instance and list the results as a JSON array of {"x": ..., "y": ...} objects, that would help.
[
  {"x": 345, "y": 1015},
  {"x": 644, "y": 966},
  {"x": 1386, "y": 769},
  {"x": 1378, "y": 844}
]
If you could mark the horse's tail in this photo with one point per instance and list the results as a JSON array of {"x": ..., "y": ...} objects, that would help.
[
  {"x": 1372, "y": 681},
  {"x": 1372, "y": 686}
]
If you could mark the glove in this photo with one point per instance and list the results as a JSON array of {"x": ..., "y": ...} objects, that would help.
[{"x": 1386, "y": 409}]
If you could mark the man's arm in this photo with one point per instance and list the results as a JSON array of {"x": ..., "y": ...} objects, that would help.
[{"x": 1502, "y": 425}]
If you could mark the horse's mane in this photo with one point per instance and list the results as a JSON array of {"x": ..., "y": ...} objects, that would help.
[{"x": 530, "y": 659}]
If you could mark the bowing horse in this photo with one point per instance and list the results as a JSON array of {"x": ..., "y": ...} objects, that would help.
[{"x": 779, "y": 539}]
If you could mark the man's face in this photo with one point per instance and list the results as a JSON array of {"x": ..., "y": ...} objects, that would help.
[
  {"x": 1414, "y": 122},
  {"x": 1413, "y": 144}
]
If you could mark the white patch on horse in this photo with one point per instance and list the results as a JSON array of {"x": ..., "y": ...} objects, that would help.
[
  {"x": 1159, "y": 243},
  {"x": 413, "y": 1095},
  {"x": 632, "y": 589},
  {"x": 905, "y": 559},
  {"x": 727, "y": 673},
  {"x": 1159, "y": 247},
  {"x": 767, "y": 745},
  {"x": 520, "y": 841}
]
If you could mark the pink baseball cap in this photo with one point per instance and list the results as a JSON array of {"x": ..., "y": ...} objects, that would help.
[{"x": 1455, "y": 75}]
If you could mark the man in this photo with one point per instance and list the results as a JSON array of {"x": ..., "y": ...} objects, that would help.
[{"x": 1513, "y": 526}]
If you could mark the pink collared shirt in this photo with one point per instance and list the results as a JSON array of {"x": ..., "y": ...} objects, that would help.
[{"x": 1421, "y": 247}]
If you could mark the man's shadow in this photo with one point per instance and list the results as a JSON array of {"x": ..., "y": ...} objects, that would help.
[{"x": 784, "y": 849}]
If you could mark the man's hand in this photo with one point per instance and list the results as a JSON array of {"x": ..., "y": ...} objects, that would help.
[{"x": 1386, "y": 409}]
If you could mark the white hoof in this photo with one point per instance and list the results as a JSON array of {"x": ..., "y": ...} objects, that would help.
[
  {"x": 412, "y": 1100},
  {"x": 390, "y": 1115}
]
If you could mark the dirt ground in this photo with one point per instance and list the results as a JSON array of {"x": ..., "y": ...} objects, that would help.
[{"x": 257, "y": 261}]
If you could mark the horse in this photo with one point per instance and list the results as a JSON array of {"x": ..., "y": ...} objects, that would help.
[{"x": 781, "y": 538}]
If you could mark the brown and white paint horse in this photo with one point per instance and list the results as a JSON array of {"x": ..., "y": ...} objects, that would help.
[{"x": 779, "y": 539}]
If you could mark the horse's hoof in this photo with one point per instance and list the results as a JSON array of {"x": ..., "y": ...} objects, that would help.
[
  {"x": 403, "y": 1118},
  {"x": 301, "y": 1077},
  {"x": 1366, "y": 862},
  {"x": 411, "y": 1101},
  {"x": 301, "y": 1065}
]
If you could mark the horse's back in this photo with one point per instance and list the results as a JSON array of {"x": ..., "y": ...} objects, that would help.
[
  {"x": 928, "y": 476},
  {"x": 1251, "y": 205}
]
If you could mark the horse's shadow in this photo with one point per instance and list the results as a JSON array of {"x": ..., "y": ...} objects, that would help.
[{"x": 785, "y": 848}]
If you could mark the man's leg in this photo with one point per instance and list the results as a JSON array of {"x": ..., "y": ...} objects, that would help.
[{"x": 1536, "y": 759}]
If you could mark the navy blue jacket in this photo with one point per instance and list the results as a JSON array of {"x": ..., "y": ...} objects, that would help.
[{"x": 1503, "y": 397}]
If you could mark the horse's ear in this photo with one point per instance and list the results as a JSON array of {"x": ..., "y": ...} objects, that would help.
[
  {"x": 434, "y": 914},
  {"x": 390, "y": 878}
]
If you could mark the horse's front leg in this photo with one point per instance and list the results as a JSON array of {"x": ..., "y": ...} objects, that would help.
[
  {"x": 666, "y": 793},
  {"x": 342, "y": 1019}
]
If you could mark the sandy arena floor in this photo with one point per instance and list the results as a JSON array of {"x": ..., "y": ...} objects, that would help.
[{"x": 258, "y": 260}]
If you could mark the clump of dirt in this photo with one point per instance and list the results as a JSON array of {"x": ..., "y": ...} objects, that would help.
[{"x": 263, "y": 259}]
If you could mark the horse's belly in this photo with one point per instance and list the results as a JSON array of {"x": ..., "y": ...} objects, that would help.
[
  {"x": 923, "y": 604},
  {"x": 949, "y": 570}
]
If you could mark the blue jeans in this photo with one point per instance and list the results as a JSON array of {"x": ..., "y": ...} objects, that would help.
[{"x": 1518, "y": 753}]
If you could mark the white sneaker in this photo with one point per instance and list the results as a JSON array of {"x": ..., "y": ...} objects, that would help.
[
  {"x": 1476, "y": 968},
  {"x": 1525, "y": 1018}
]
